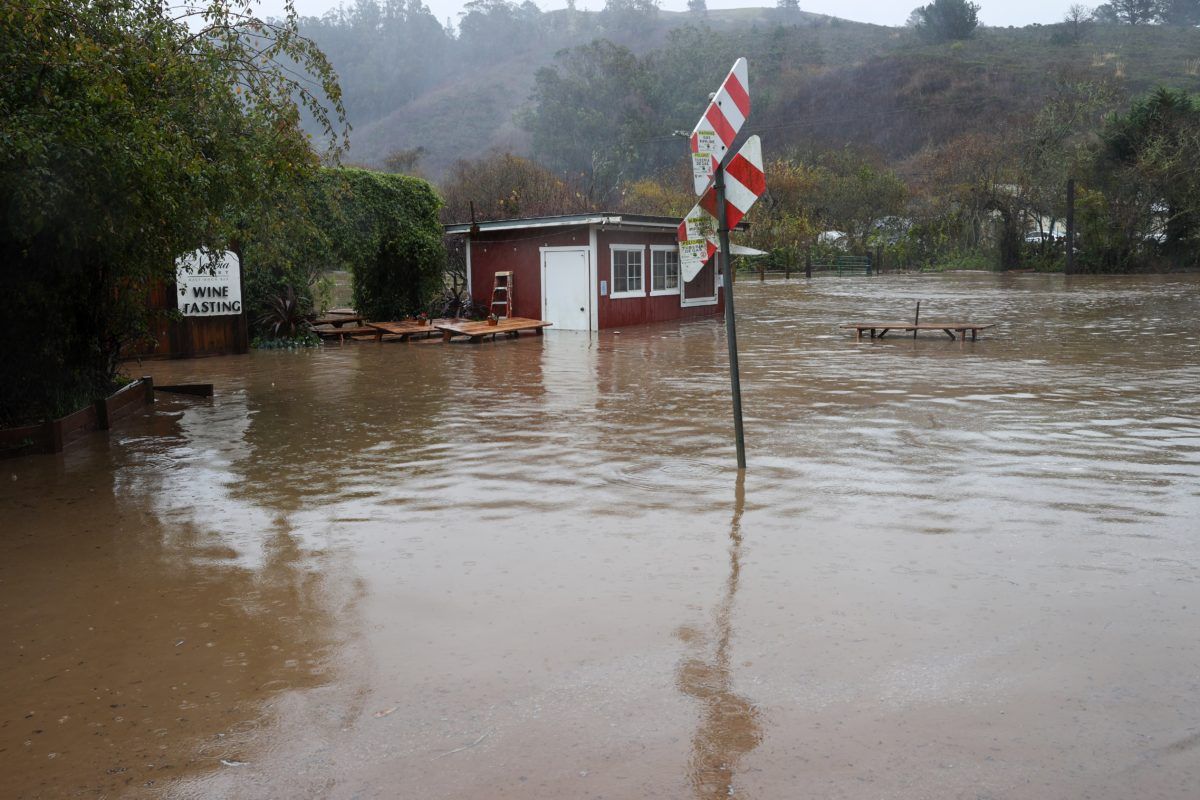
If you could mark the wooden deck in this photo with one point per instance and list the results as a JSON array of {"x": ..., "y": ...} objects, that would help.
[
  {"x": 948, "y": 328},
  {"x": 477, "y": 331}
]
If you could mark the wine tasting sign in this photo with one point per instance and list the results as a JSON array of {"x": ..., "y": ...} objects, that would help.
[{"x": 209, "y": 286}]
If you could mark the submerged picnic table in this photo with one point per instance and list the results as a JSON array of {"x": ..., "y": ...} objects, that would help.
[
  {"x": 408, "y": 328},
  {"x": 337, "y": 319},
  {"x": 949, "y": 328},
  {"x": 476, "y": 331},
  {"x": 341, "y": 333}
]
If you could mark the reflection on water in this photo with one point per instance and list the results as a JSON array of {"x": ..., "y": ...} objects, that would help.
[
  {"x": 729, "y": 726},
  {"x": 436, "y": 571},
  {"x": 150, "y": 623}
]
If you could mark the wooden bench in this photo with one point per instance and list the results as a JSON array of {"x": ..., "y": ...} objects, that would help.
[
  {"x": 477, "y": 331},
  {"x": 949, "y": 328}
]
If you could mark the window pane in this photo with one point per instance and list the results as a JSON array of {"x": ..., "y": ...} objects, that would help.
[
  {"x": 635, "y": 271},
  {"x": 658, "y": 278},
  {"x": 671, "y": 279}
]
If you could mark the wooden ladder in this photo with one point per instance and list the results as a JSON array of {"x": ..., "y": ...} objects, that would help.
[{"x": 502, "y": 294}]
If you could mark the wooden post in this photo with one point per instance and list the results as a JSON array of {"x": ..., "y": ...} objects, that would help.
[
  {"x": 762, "y": 273},
  {"x": 1070, "y": 269},
  {"x": 917, "y": 319},
  {"x": 808, "y": 265}
]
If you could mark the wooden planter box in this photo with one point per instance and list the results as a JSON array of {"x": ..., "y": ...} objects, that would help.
[{"x": 54, "y": 435}]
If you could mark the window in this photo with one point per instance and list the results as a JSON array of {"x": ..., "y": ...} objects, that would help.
[
  {"x": 628, "y": 271},
  {"x": 664, "y": 270}
]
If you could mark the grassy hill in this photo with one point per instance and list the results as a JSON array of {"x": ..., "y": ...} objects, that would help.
[{"x": 839, "y": 82}]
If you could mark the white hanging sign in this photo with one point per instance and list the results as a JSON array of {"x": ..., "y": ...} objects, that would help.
[{"x": 208, "y": 287}]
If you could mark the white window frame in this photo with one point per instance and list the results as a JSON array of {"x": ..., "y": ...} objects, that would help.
[
  {"x": 678, "y": 288},
  {"x": 684, "y": 302},
  {"x": 613, "y": 249}
]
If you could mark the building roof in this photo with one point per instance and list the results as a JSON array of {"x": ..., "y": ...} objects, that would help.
[{"x": 566, "y": 220}]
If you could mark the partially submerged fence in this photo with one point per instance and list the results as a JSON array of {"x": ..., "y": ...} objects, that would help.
[{"x": 843, "y": 265}]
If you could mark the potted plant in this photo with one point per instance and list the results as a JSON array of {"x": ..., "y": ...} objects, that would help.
[
  {"x": 493, "y": 319},
  {"x": 422, "y": 318}
]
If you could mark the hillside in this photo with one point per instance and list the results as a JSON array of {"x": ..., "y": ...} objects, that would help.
[{"x": 820, "y": 81}]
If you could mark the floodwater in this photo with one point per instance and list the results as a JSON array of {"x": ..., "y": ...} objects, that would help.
[{"x": 528, "y": 569}]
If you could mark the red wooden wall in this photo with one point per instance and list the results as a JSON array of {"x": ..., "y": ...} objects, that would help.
[
  {"x": 626, "y": 311},
  {"x": 520, "y": 251}
]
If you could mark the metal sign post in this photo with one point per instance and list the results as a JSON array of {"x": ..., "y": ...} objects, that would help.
[
  {"x": 728, "y": 185},
  {"x": 735, "y": 378}
]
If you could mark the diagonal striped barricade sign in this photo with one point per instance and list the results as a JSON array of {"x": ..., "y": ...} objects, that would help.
[
  {"x": 718, "y": 127},
  {"x": 745, "y": 182}
]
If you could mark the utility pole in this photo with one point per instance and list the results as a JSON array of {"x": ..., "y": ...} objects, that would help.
[
  {"x": 735, "y": 378},
  {"x": 1070, "y": 226}
]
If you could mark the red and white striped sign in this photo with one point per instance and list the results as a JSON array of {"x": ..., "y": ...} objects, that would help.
[
  {"x": 718, "y": 127},
  {"x": 744, "y": 184}
]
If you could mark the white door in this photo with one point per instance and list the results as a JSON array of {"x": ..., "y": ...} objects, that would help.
[{"x": 567, "y": 289}]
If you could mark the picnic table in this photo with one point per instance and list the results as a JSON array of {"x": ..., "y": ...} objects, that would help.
[
  {"x": 477, "y": 331},
  {"x": 949, "y": 328},
  {"x": 408, "y": 328},
  {"x": 341, "y": 333},
  {"x": 337, "y": 319}
]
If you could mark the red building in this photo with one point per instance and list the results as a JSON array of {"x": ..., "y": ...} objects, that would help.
[{"x": 588, "y": 271}]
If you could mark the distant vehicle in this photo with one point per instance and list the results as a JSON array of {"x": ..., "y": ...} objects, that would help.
[
  {"x": 1036, "y": 237},
  {"x": 835, "y": 238}
]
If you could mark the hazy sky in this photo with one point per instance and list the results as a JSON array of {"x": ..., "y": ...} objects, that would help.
[{"x": 992, "y": 12}]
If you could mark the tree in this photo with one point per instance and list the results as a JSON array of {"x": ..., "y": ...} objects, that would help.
[
  {"x": 946, "y": 20},
  {"x": 1183, "y": 13},
  {"x": 1129, "y": 12},
  {"x": 405, "y": 161},
  {"x": 590, "y": 113},
  {"x": 1076, "y": 22},
  {"x": 128, "y": 138},
  {"x": 385, "y": 229},
  {"x": 788, "y": 6},
  {"x": 698, "y": 6},
  {"x": 1146, "y": 170},
  {"x": 629, "y": 16},
  {"x": 502, "y": 186}
]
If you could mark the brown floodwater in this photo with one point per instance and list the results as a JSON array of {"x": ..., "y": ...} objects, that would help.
[{"x": 527, "y": 569}]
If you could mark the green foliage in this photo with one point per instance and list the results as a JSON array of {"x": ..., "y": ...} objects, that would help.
[
  {"x": 504, "y": 186},
  {"x": 946, "y": 20},
  {"x": 590, "y": 113},
  {"x": 1183, "y": 13},
  {"x": 298, "y": 342},
  {"x": 385, "y": 229},
  {"x": 1129, "y": 12},
  {"x": 129, "y": 136},
  {"x": 381, "y": 228},
  {"x": 286, "y": 315},
  {"x": 1145, "y": 205}
]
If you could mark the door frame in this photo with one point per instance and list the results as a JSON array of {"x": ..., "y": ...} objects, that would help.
[{"x": 593, "y": 299}]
